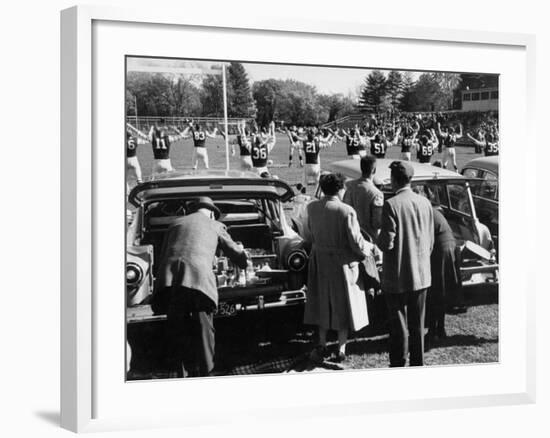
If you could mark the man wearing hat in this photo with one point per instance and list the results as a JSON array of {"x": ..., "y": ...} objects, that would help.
[
  {"x": 186, "y": 278},
  {"x": 407, "y": 239}
]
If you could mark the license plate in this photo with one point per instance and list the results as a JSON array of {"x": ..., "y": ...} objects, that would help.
[{"x": 226, "y": 309}]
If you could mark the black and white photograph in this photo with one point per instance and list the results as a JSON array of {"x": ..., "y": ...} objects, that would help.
[{"x": 299, "y": 218}]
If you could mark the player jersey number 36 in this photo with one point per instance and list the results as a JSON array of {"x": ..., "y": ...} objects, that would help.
[{"x": 259, "y": 154}]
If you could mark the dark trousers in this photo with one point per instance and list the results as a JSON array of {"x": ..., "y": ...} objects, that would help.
[
  {"x": 190, "y": 331},
  {"x": 435, "y": 312},
  {"x": 406, "y": 315}
]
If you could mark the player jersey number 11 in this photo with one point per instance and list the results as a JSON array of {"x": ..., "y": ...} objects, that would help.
[{"x": 159, "y": 143}]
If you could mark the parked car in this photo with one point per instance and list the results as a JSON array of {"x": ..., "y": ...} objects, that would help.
[
  {"x": 447, "y": 189},
  {"x": 251, "y": 208},
  {"x": 484, "y": 186}
]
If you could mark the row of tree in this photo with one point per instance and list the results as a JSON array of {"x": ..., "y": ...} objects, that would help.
[
  {"x": 294, "y": 102},
  {"x": 290, "y": 101},
  {"x": 157, "y": 94},
  {"x": 430, "y": 92}
]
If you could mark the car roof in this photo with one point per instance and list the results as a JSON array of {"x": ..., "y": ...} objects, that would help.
[
  {"x": 187, "y": 174},
  {"x": 352, "y": 169},
  {"x": 485, "y": 163},
  {"x": 213, "y": 183}
]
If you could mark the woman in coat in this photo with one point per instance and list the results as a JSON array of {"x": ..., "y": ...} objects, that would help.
[
  {"x": 446, "y": 282},
  {"x": 335, "y": 300}
]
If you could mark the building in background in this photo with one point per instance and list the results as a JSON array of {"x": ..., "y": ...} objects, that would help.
[{"x": 480, "y": 99}]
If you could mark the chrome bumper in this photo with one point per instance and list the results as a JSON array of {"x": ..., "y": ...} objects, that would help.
[
  {"x": 144, "y": 313},
  {"x": 479, "y": 275}
]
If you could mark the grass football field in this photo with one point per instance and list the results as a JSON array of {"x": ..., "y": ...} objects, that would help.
[{"x": 182, "y": 152}]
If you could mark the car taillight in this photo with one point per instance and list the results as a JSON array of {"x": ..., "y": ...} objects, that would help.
[
  {"x": 134, "y": 274},
  {"x": 296, "y": 261}
]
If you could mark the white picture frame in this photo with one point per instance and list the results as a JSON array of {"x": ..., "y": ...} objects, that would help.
[{"x": 81, "y": 217}]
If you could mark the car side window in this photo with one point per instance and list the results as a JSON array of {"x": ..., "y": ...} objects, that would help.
[
  {"x": 459, "y": 199},
  {"x": 470, "y": 173},
  {"x": 435, "y": 192},
  {"x": 488, "y": 189}
]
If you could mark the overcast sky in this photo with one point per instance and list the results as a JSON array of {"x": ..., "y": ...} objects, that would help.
[{"x": 326, "y": 79}]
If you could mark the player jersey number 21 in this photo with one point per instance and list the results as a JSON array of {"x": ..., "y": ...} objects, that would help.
[{"x": 310, "y": 147}]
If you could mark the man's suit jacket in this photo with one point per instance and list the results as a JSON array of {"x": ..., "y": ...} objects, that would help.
[
  {"x": 367, "y": 200},
  {"x": 407, "y": 239},
  {"x": 188, "y": 251}
]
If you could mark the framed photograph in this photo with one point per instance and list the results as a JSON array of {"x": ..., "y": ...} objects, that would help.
[{"x": 257, "y": 220}]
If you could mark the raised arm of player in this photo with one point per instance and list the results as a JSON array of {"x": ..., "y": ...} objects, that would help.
[
  {"x": 137, "y": 132},
  {"x": 459, "y": 135},
  {"x": 439, "y": 129},
  {"x": 337, "y": 136},
  {"x": 150, "y": 135},
  {"x": 370, "y": 138},
  {"x": 271, "y": 139},
  {"x": 326, "y": 142},
  {"x": 179, "y": 135},
  {"x": 395, "y": 139},
  {"x": 476, "y": 141},
  {"x": 182, "y": 134},
  {"x": 212, "y": 134},
  {"x": 434, "y": 138},
  {"x": 289, "y": 135}
]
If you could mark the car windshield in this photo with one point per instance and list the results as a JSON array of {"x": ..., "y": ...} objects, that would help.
[
  {"x": 233, "y": 211},
  {"x": 471, "y": 173},
  {"x": 487, "y": 188}
]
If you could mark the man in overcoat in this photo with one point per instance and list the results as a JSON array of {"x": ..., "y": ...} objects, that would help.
[
  {"x": 186, "y": 276},
  {"x": 406, "y": 239},
  {"x": 335, "y": 299}
]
